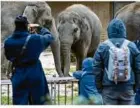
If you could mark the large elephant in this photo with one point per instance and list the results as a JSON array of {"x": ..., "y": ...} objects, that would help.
[
  {"x": 79, "y": 30},
  {"x": 130, "y": 15},
  {"x": 36, "y": 12}
]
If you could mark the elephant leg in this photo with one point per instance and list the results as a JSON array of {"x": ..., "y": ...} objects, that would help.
[
  {"x": 55, "y": 46},
  {"x": 91, "y": 54},
  {"x": 80, "y": 57},
  {"x": 77, "y": 64}
]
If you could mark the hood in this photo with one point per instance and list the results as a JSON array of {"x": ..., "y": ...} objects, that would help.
[
  {"x": 87, "y": 64},
  {"x": 116, "y": 29}
]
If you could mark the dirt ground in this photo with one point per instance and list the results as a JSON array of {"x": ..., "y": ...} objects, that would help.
[{"x": 48, "y": 65}]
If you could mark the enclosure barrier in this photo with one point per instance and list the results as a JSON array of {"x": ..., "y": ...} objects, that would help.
[{"x": 63, "y": 90}]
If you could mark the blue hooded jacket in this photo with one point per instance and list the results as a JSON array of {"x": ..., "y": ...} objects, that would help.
[
  {"x": 116, "y": 34},
  {"x": 137, "y": 42},
  {"x": 137, "y": 96},
  {"x": 86, "y": 79},
  {"x": 30, "y": 78}
]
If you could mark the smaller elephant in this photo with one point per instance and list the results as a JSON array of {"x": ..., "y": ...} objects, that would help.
[
  {"x": 130, "y": 15},
  {"x": 79, "y": 30}
]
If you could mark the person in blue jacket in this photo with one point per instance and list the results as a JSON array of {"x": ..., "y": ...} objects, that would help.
[
  {"x": 137, "y": 97},
  {"x": 88, "y": 93},
  {"x": 122, "y": 92},
  {"x": 29, "y": 83}
]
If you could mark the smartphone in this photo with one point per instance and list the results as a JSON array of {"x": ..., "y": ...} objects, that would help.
[{"x": 33, "y": 28}]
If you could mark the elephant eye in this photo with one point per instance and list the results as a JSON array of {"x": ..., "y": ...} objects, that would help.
[
  {"x": 48, "y": 24},
  {"x": 75, "y": 30},
  {"x": 58, "y": 29},
  {"x": 75, "y": 20},
  {"x": 62, "y": 21}
]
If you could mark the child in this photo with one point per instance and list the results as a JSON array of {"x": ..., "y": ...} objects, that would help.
[{"x": 88, "y": 93}]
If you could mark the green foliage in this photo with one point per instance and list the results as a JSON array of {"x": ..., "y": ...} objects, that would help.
[
  {"x": 73, "y": 58},
  {"x": 68, "y": 100},
  {"x": 72, "y": 69},
  {"x": 49, "y": 71},
  {"x": 4, "y": 100}
]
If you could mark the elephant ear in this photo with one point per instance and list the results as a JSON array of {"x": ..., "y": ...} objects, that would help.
[
  {"x": 84, "y": 24},
  {"x": 60, "y": 18},
  {"x": 81, "y": 21}
]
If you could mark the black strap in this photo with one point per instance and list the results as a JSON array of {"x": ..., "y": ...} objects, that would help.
[
  {"x": 25, "y": 45},
  {"x": 17, "y": 60}
]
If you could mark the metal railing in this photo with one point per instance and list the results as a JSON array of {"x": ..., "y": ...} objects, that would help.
[{"x": 63, "y": 90}]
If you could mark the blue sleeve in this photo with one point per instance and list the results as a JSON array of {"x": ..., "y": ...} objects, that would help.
[
  {"x": 137, "y": 43},
  {"x": 46, "y": 37},
  {"x": 98, "y": 66},
  {"x": 136, "y": 63},
  {"x": 77, "y": 74},
  {"x": 98, "y": 59},
  {"x": 8, "y": 51}
]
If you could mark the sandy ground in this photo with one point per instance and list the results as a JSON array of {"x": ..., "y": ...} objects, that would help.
[
  {"x": 47, "y": 60},
  {"x": 48, "y": 65}
]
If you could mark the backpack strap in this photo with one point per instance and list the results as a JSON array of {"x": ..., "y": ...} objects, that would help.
[
  {"x": 125, "y": 43},
  {"x": 109, "y": 43}
]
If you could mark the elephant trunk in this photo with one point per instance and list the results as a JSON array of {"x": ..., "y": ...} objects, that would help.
[
  {"x": 65, "y": 58},
  {"x": 55, "y": 46}
]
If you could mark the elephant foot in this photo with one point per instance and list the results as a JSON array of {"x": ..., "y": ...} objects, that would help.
[
  {"x": 67, "y": 75},
  {"x": 61, "y": 75}
]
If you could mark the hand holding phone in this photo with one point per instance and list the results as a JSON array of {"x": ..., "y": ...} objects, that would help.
[{"x": 33, "y": 28}]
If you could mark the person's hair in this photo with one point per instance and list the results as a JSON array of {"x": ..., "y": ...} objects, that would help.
[
  {"x": 21, "y": 23},
  {"x": 21, "y": 26}
]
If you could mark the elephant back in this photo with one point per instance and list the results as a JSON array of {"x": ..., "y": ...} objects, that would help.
[{"x": 130, "y": 15}]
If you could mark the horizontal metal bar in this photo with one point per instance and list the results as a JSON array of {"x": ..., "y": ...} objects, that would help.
[
  {"x": 49, "y": 80},
  {"x": 52, "y": 81}
]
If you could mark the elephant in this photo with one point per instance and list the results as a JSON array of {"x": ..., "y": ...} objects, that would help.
[
  {"x": 79, "y": 31},
  {"x": 130, "y": 15},
  {"x": 36, "y": 12}
]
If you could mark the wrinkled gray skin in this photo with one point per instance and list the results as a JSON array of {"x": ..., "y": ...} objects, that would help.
[
  {"x": 79, "y": 30},
  {"x": 130, "y": 15},
  {"x": 36, "y": 12}
]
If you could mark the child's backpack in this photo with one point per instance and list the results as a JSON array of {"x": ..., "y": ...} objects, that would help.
[{"x": 119, "y": 69}]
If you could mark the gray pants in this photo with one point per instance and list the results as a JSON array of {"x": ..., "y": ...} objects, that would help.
[{"x": 113, "y": 97}]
